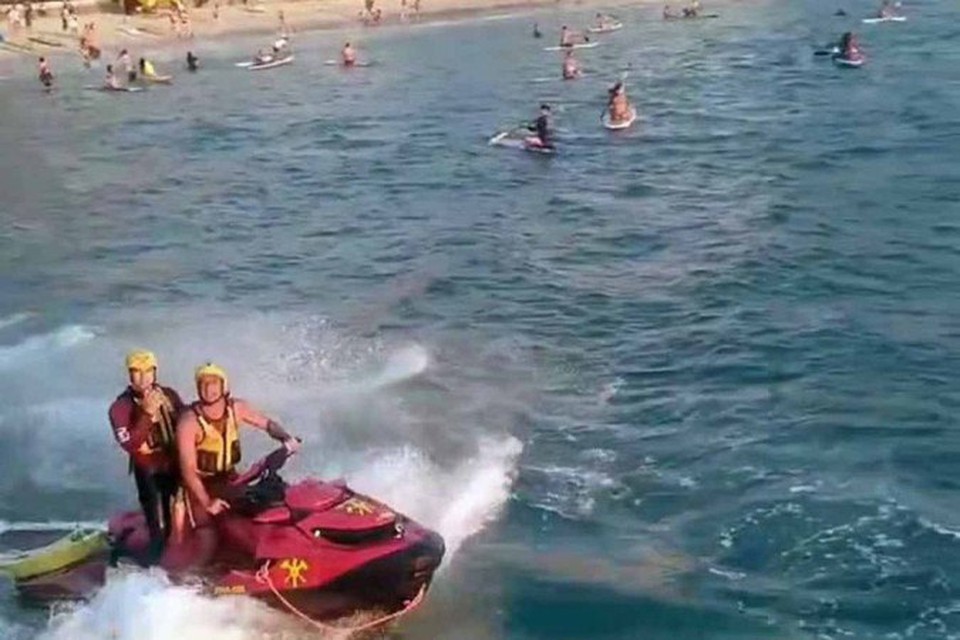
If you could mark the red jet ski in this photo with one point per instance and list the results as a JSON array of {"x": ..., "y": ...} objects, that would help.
[{"x": 314, "y": 548}]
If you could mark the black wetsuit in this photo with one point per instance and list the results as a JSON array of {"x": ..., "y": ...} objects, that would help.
[{"x": 542, "y": 128}]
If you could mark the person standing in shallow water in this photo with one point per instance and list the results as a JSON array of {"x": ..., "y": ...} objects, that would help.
[{"x": 46, "y": 75}]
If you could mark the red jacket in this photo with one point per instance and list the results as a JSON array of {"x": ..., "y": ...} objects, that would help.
[{"x": 151, "y": 445}]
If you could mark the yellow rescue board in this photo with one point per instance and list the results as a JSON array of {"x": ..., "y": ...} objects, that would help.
[{"x": 65, "y": 552}]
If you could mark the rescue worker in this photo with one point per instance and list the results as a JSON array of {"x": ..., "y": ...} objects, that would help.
[
  {"x": 144, "y": 419},
  {"x": 208, "y": 442}
]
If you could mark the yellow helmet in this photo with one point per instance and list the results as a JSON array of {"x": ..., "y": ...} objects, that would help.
[
  {"x": 211, "y": 370},
  {"x": 141, "y": 360}
]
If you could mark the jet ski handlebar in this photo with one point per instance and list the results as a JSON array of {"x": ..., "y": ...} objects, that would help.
[{"x": 267, "y": 465}]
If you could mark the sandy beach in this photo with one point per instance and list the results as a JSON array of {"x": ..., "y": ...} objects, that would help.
[{"x": 218, "y": 20}]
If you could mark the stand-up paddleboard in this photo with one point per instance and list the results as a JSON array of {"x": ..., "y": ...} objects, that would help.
[
  {"x": 510, "y": 140},
  {"x": 623, "y": 124},
  {"x": 158, "y": 79},
  {"x": 17, "y": 48},
  {"x": 107, "y": 89},
  {"x": 339, "y": 63},
  {"x": 559, "y": 78},
  {"x": 45, "y": 42},
  {"x": 135, "y": 32},
  {"x": 849, "y": 62},
  {"x": 579, "y": 45},
  {"x": 607, "y": 28},
  {"x": 273, "y": 64},
  {"x": 703, "y": 17},
  {"x": 887, "y": 19}
]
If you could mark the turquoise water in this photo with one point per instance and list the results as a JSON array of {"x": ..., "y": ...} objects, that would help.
[{"x": 693, "y": 380}]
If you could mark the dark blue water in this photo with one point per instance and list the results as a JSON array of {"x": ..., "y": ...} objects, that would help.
[{"x": 692, "y": 380}]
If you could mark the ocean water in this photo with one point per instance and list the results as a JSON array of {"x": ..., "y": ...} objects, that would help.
[{"x": 692, "y": 381}]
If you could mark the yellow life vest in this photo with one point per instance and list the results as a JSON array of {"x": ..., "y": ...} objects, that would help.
[
  {"x": 218, "y": 448},
  {"x": 162, "y": 436},
  {"x": 148, "y": 68}
]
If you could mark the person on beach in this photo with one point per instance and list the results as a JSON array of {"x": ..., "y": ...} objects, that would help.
[
  {"x": 143, "y": 419},
  {"x": 208, "y": 444},
  {"x": 348, "y": 55},
  {"x": 571, "y": 70},
  {"x": 618, "y": 105}
]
